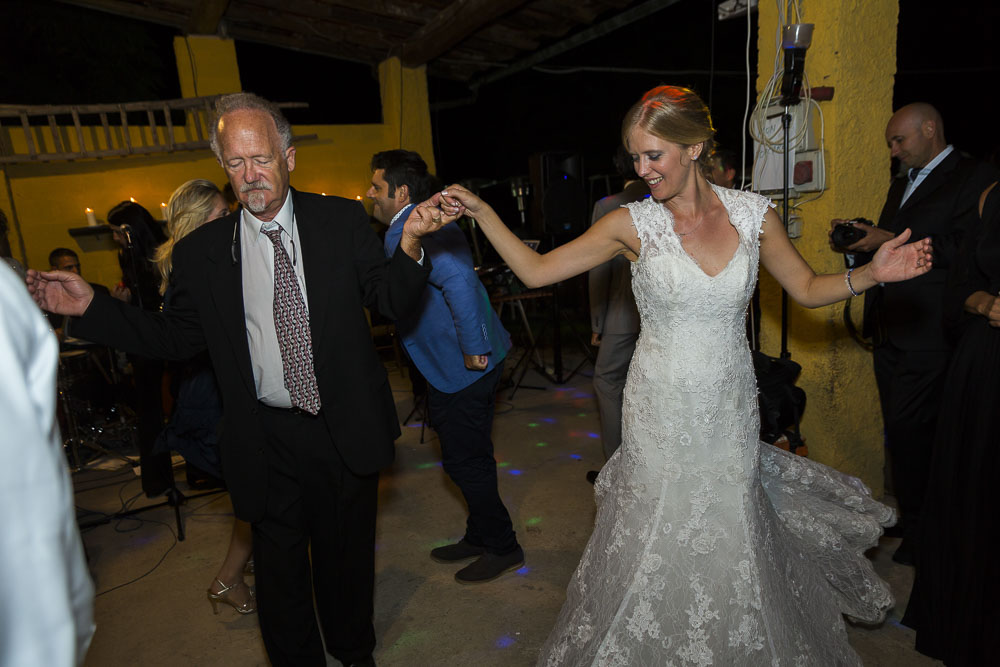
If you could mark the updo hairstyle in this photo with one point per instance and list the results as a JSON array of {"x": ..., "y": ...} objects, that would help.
[{"x": 676, "y": 115}]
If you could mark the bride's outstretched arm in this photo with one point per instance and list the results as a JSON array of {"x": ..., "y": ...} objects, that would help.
[
  {"x": 896, "y": 260},
  {"x": 612, "y": 235}
]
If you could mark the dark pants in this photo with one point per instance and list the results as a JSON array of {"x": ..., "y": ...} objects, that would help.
[
  {"x": 464, "y": 422},
  {"x": 314, "y": 505},
  {"x": 157, "y": 473},
  {"x": 610, "y": 373},
  {"x": 910, "y": 384}
]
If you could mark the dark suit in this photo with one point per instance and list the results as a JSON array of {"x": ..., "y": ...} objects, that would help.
[
  {"x": 300, "y": 480},
  {"x": 905, "y": 319}
]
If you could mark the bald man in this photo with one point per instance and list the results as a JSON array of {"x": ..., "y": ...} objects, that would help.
[{"x": 935, "y": 193}]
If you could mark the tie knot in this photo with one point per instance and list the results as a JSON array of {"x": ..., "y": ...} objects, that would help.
[
  {"x": 273, "y": 234},
  {"x": 913, "y": 173}
]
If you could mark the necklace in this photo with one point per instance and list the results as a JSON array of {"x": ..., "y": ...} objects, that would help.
[{"x": 690, "y": 231}]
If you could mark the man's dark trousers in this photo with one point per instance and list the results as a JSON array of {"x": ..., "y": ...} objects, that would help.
[
  {"x": 313, "y": 500},
  {"x": 464, "y": 422}
]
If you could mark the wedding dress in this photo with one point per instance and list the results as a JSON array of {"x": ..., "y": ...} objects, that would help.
[{"x": 710, "y": 547}]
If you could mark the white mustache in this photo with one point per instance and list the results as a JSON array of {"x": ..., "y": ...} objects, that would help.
[{"x": 256, "y": 185}]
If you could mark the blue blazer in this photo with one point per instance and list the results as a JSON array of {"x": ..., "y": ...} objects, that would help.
[{"x": 454, "y": 315}]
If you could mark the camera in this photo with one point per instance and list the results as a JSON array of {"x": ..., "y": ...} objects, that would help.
[{"x": 848, "y": 234}]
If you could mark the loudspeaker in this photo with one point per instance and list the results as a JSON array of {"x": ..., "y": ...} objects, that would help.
[{"x": 563, "y": 197}]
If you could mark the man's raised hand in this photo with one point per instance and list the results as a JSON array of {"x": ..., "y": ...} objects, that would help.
[{"x": 60, "y": 292}]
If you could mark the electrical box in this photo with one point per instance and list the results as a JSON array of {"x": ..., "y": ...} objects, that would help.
[{"x": 806, "y": 165}]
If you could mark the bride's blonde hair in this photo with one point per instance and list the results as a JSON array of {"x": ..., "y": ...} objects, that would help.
[
  {"x": 188, "y": 208},
  {"x": 673, "y": 114}
]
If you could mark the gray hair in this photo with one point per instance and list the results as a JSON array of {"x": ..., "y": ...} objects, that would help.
[{"x": 249, "y": 102}]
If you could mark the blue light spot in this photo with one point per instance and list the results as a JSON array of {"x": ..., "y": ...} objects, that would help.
[
  {"x": 576, "y": 457},
  {"x": 505, "y": 641},
  {"x": 593, "y": 435},
  {"x": 549, "y": 420},
  {"x": 524, "y": 570},
  {"x": 514, "y": 472}
]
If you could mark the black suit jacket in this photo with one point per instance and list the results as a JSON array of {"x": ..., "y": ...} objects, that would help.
[
  {"x": 345, "y": 269},
  {"x": 909, "y": 314}
]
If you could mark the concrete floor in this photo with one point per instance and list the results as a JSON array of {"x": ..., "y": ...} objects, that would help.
[{"x": 151, "y": 607}]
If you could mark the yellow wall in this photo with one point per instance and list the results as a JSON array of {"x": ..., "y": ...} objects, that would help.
[
  {"x": 51, "y": 197},
  {"x": 853, "y": 50}
]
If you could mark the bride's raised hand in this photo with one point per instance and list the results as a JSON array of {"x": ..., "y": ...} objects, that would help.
[{"x": 897, "y": 260}]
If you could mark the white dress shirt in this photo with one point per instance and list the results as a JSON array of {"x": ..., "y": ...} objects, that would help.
[
  {"x": 257, "y": 262},
  {"x": 47, "y": 601}
]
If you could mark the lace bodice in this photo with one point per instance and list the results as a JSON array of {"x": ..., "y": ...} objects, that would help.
[{"x": 710, "y": 548}]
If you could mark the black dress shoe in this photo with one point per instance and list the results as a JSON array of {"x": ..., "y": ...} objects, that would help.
[
  {"x": 592, "y": 475},
  {"x": 452, "y": 553},
  {"x": 490, "y": 566}
]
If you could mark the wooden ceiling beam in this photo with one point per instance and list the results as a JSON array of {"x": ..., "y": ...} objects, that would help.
[
  {"x": 452, "y": 25},
  {"x": 206, "y": 16},
  {"x": 132, "y": 10}
]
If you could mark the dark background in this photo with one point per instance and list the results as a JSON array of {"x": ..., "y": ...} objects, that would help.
[{"x": 60, "y": 54}]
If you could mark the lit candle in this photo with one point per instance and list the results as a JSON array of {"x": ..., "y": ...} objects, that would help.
[
  {"x": 163, "y": 210},
  {"x": 91, "y": 218},
  {"x": 358, "y": 197},
  {"x": 132, "y": 199}
]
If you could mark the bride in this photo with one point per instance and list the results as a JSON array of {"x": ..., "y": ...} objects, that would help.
[{"x": 709, "y": 548}]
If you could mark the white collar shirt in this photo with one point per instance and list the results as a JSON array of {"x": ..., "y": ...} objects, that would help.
[
  {"x": 914, "y": 180},
  {"x": 257, "y": 263}
]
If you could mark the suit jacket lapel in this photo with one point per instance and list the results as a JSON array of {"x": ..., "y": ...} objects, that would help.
[
  {"x": 227, "y": 294},
  {"x": 933, "y": 181}
]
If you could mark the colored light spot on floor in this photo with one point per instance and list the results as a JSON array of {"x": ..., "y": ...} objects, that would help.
[
  {"x": 430, "y": 464},
  {"x": 581, "y": 414},
  {"x": 514, "y": 472},
  {"x": 593, "y": 435},
  {"x": 533, "y": 521},
  {"x": 505, "y": 641},
  {"x": 541, "y": 444},
  {"x": 524, "y": 570},
  {"x": 533, "y": 424},
  {"x": 503, "y": 464},
  {"x": 549, "y": 420},
  {"x": 440, "y": 543},
  {"x": 575, "y": 457}
]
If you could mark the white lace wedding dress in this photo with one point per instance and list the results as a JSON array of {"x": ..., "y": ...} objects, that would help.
[{"x": 710, "y": 547}]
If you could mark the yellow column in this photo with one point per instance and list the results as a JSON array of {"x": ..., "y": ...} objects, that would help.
[
  {"x": 854, "y": 50},
  {"x": 405, "y": 108},
  {"x": 206, "y": 65}
]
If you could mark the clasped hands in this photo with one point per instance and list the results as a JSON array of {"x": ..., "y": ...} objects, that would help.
[{"x": 444, "y": 207}]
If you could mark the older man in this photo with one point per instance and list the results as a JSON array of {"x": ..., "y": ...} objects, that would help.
[
  {"x": 276, "y": 293},
  {"x": 935, "y": 195}
]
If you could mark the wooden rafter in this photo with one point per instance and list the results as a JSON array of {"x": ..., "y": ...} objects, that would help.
[{"x": 452, "y": 25}]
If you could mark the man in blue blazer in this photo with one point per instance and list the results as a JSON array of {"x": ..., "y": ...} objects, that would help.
[{"x": 456, "y": 341}]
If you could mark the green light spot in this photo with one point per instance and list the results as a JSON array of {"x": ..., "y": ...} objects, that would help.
[
  {"x": 440, "y": 543},
  {"x": 503, "y": 464},
  {"x": 581, "y": 414},
  {"x": 533, "y": 424},
  {"x": 424, "y": 466},
  {"x": 533, "y": 521},
  {"x": 542, "y": 444},
  {"x": 409, "y": 638}
]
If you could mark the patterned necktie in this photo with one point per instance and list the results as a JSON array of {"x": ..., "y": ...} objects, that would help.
[
  {"x": 291, "y": 321},
  {"x": 913, "y": 173}
]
